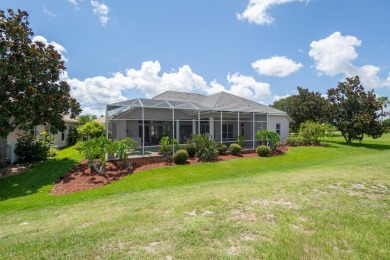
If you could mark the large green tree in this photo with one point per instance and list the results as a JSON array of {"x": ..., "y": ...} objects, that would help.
[
  {"x": 87, "y": 118},
  {"x": 354, "y": 111},
  {"x": 31, "y": 92},
  {"x": 306, "y": 106},
  {"x": 282, "y": 104}
]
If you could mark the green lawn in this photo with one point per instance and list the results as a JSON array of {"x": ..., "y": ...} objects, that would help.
[{"x": 327, "y": 202}]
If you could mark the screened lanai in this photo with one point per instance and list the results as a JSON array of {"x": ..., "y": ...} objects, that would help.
[{"x": 148, "y": 120}]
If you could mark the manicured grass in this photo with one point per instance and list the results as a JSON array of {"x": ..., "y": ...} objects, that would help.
[{"x": 314, "y": 202}]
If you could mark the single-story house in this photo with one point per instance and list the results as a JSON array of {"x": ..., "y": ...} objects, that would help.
[
  {"x": 223, "y": 116},
  {"x": 61, "y": 138}
]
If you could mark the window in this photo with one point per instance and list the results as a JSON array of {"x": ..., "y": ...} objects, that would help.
[
  {"x": 227, "y": 131},
  {"x": 63, "y": 136},
  {"x": 204, "y": 129},
  {"x": 278, "y": 128}
]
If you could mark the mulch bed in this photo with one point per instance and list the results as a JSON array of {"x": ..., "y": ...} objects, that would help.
[{"x": 82, "y": 177}]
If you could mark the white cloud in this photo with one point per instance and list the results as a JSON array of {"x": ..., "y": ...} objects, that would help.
[
  {"x": 276, "y": 97},
  {"x": 74, "y": 2},
  {"x": 101, "y": 10},
  {"x": 58, "y": 47},
  {"x": 279, "y": 66},
  {"x": 94, "y": 93},
  {"x": 256, "y": 11},
  {"x": 335, "y": 54},
  {"x": 49, "y": 13},
  {"x": 247, "y": 87}
]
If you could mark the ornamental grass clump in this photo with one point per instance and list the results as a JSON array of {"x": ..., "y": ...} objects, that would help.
[
  {"x": 263, "y": 150},
  {"x": 235, "y": 149},
  {"x": 180, "y": 156}
]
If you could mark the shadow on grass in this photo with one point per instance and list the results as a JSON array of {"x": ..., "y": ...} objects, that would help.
[
  {"x": 379, "y": 147},
  {"x": 34, "y": 180}
]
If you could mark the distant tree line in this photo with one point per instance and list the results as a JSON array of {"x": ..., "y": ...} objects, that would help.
[{"x": 352, "y": 110}]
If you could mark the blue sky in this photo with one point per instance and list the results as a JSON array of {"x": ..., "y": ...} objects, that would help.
[{"x": 257, "y": 49}]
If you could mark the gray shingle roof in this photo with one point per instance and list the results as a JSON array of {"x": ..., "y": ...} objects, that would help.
[
  {"x": 219, "y": 101},
  {"x": 181, "y": 96}
]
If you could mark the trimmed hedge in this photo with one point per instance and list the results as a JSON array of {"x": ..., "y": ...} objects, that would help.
[
  {"x": 263, "y": 150},
  {"x": 180, "y": 156},
  {"x": 235, "y": 149}
]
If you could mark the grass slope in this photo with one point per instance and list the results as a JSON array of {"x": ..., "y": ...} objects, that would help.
[{"x": 313, "y": 202}]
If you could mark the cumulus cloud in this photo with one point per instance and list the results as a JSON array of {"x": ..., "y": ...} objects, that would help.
[
  {"x": 335, "y": 54},
  {"x": 101, "y": 10},
  {"x": 58, "y": 47},
  {"x": 279, "y": 66},
  {"x": 94, "y": 93},
  {"x": 276, "y": 97},
  {"x": 257, "y": 11},
  {"x": 247, "y": 87}
]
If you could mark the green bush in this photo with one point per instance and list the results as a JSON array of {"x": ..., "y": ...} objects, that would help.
[
  {"x": 191, "y": 150},
  {"x": 91, "y": 130},
  {"x": 53, "y": 152},
  {"x": 97, "y": 148},
  {"x": 295, "y": 141},
  {"x": 269, "y": 138},
  {"x": 235, "y": 149},
  {"x": 167, "y": 146},
  {"x": 180, "y": 156},
  {"x": 263, "y": 150},
  {"x": 222, "y": 148},
  {"x": 206, "y": 148},
  {"x": 73, "y": 136},
  {"x": 33, "y": 147},
  {"x": 240, "y": 140},
  {"x": 312, "y": 132}
]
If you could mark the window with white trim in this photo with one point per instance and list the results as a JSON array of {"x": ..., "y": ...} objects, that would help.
[
  {"x": 227, "y": 131},
  {"x": 277, "y": 128}
]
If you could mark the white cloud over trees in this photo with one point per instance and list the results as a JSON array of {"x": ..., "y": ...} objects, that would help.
[{"x": 335, "y": 54}]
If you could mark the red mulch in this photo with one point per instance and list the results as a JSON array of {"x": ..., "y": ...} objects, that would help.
[{"x": 82, "y": 177}]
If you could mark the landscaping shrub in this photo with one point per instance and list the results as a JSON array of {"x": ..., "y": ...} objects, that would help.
[
  {"x": 33, "y": 147},
  {"x": 53, "y": 152},
  {"x": 180, "y": 156},
  {"x": 121, "y": 149},
  {"x": 235, "y": 149},
  {"x": 191, "y": 150},
  {"x": 222, "y": 148},
  {"x": 295, "y": 141},
  {"x": 182, "y": 147},
  {"x": 167, "y": 146},
  {"x": 91, "y": 130},
  {"x": 269, "y": 138},
  {"x": 263, "y": 150},
  {"x": 240, "y": 140},
  {"x": 206, "y": 148},
  {"x": 312, "y": 132},
  {"x": 97, "y": 148},
  {"x": 73, "y": 136}
]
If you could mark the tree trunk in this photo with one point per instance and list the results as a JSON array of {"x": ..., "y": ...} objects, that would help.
[{"x": 3, "y": 152}]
